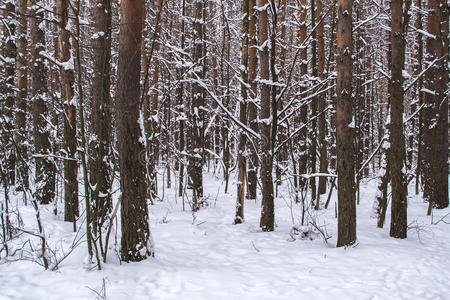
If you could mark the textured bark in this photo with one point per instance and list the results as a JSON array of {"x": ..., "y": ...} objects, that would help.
[
  {"x": 135, "y": 244},
  {"x": 313, "y": 132},
  {"x": 45, "y": 168},
  {"x": 154, "y": 117},
  {"x": 70, "y": 121},
  {"x": 322, "y": 188},
  {"x": 100, "y": 147},
  {"x": 418, "y": 70},
  {"x": 7, "y": 91},
  {"x": 242, "y": 115},
  {"x": 267, "y": 212},
  {"x": 195, "y": 168},
  {"x": 22, "y": 93},
  {"x": 397, "y": 138},
  {"x": 215, "y": 79},
  {"x": 435, "y": 111},
  {"x": 181, "y": 108},
  {"x": 303, "y": 154},
  {"x": 253, "y": 93},
  {"x": 344, "y": 134}
]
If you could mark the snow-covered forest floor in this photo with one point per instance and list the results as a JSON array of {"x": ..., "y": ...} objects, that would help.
[{"x": 207, "y": 257}]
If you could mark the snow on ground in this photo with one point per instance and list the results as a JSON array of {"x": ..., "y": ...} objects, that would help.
[{"x": 207, "y": 257}]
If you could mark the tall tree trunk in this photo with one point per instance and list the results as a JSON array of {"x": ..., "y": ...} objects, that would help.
[
  {"x": 136, "y": 241},
  {"x": 215, "y": 79},
  {"x": 195, "y": 168},
  {"x": 322, "y": 188},
  {"x": 313, "y": 132},
  {"x": 419, "y": 92},
  {"x": 344, "y": 127},
  {"x": 242, "y": 115},
  {"x": 8, "y": 52},
  {"x": 100, "y": 148},
  {"x": 154, "y": 117},
  {"x": 303, "y": 155},
  {"x": 253, "y": 94},
  {"x": 45, "y": 168},
  {"x": 181, "y": 109},
  {"x": 435, "y": 111},
  {"x": 397, "y": 138},
  {"x": 70, "y": 120},
  {"x": 267, "y": 212},
  {"x": 22, "y": 94}
]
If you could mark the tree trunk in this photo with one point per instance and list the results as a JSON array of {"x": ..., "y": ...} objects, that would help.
[
  {"x": 45, "y": 168},
  {"x": 313, "y": 132},
  {"x": 267, "y": 212},
  {"x": 435, "y": 111},
  {"x": 303, "y": 155},
  {"x": 418, "y": 70},
  {"x": 195, "y": 168},
  {"x": 344, "y": 127},
  {"x": 322, "y": 188},
  {"x": 181, "y": 108},
  {"x": 22, "y": 94},
  {"x": 70, "y": 121},
  {"x": 242, "y": 115},
  {"x": 136, "y": 241},
  {"x": 253, "y": 93},
  {"x": 397, "y": 138},
  {"x": 8, "y": 52},
  {"x": 100, "y": 148}
]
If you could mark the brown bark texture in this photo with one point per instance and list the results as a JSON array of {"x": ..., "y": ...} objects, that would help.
[
  {"x": 135, "y": 244},
  {"x": 344, "y": 127}
]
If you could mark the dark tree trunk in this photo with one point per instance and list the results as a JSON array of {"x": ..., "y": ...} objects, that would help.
[
  {"x": 397, "y": 138},
  {"x": 322, "y": 188},
  {"x": 344, "y": 127},
  {"x": 195, "y": 168},
  {"x": 242, "y": 115},
  {"x": 70, "y": 120},
  {"x": 303, "y": 155},
  {"x": 435, "y": 111},
  {"x": 100, "y": 148},
  {"x": 252, "y": 110},
  {"x": 136, "y": 241},
  {"x": 267, "y": 212},
  {"x": 22, "y": 93},
  {"x": 313, "y": 132},
  {"x": 7, "y": 92},
  {"x": 45, "y": 168}
]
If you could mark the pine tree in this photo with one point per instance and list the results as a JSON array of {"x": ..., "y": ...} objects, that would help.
[
  {"x": 267, "y": 211},
  {"x": 396, "y": 137},
  {"x": 344, "y": 127},
  {"x": 135, "y": 245},
  {"x": 45, "y": 168}
]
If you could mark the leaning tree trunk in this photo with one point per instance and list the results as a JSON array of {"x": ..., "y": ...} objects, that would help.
[
  {"x": 344, "y": 134},
  {"x": 45, "y": 169},
  {"x": 267, "y": 212},
  {"x": 70, "y": 121},
  {"x": 136, "y": 241}
]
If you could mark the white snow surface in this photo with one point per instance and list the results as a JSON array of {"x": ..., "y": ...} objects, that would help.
[{"x": 210, "y": 258}]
